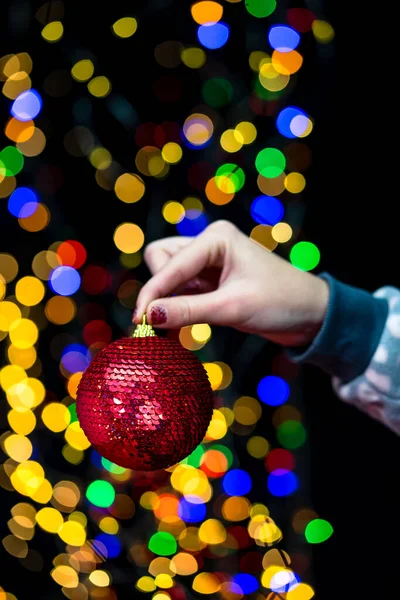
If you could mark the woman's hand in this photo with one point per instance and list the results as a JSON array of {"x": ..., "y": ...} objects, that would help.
[{"x": 222, "y": 277}]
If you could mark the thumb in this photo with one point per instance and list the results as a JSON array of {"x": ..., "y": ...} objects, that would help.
[{"x": 180, "y": 311}]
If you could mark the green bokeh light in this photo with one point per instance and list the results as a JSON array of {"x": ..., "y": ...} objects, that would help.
[
  {"x": 112, "y": 467},
  {"x": 100, "y": 493},
  {"x": 217, "y": 91},
  {"x": 194, "y": 459},
  {"x": 317, "y": 531},
  {"x": 230, "y": 178},
  {"x": 72, "y": 412},
  {"x": 12, "y": 159},
  {"x": 291, "y": 434},
  {"x": 270, "y": 162},
  {"x": 305, "y": 256},
  {"x": 162, "y": 543},
  {"x": 260, "y": 8}
]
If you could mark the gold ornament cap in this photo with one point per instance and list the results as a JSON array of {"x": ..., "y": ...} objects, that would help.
[{"x": 144, "y": 329}]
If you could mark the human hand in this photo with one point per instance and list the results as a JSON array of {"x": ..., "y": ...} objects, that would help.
[{"x": 222, "y": 277}]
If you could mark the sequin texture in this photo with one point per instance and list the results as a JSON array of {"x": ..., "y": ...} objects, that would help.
[{"x": 145, "y": 403}]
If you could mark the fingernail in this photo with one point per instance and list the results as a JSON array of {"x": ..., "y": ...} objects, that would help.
[
  {"x": 158, "y": 315},
  {"x": 135, "y": 313}
]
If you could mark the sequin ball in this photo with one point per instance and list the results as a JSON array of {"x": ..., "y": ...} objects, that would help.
[{"x": 145, "y": 403}]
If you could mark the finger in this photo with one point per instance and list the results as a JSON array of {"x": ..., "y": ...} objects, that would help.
[
  {"x": 158, "y": 253},
  {"x": 204, "y": 251},
  {"x": 180, "y": 311}
]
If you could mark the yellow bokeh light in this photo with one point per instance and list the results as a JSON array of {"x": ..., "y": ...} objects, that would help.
[
  {"x": 125, "y": 27},
  {"x": 214, "y": 373},
  {"x": 231, "y": 140},
  {"x": 257, "y": 446},
  {"x": 8, "y": 264},
  {"x": 247, "y": 410},
  {"x": 56, "y": 416},
  {"x": 23, "y": 357},
  {"x": 23, "y": 333},
  {"x": 82, "y": 70},
  {"x": 301, "y": 591},
  {"x": 128, "y": 238},
  {"x": 43, "y": 493},
  {"x": 271, "y": 79},
  {"x": 38, "y": 221},
  {"x": 194, "y": 58},
  {"x": 76, "y": 437},
  {"x": 256, "y": 58},
  {"x": 262, "y": 234},
  {"x": 11, "y": 375},
  {"x": 171, "y": 153},
  {"x": 146, "y": 584},
  {"x": 206, "y": 583},
  {"x": 173, "y": 212},
  {"x": 18, "y": 447},
  {"x": 323, "y": 31},
  {"x": 73, "y": 533},
  {"x": 100, "y": 578},
  {"x": 19, "y": 131},
  {"x": 164, "y": 581},
  {"x": 217, "y": 428},
  {"x": 212, "y": 532},
  {"x": 16, "y": 84},
  {"x": 184, "y": 564},
  {"x": 33, "y": 147},
  {"x": 2, "y": 288},
  {"x": 236, "y": 508},
  {"x": 282, "y": 232},
  {"x": 295, "y": 183},
  {"x": 52, "y": 32},
  {"x": 49, "y": 519},
  {"x": 99, "y": 86},
  {"x": 65, "y": 576},
  {"x": 109, "y": 525},
  {"x": 207, "y": 11},
  {"x": 201, "y": 332},
  {"x": 246, "y": 131},
  {"x": 73, "y": 383},
  {"x": 10, "y": 313},
  {"x": 129, "y": 188},
  {"x": 22, "y": 421},
  {"x": 29, "y": 291},
  {"x": 100, "y": 158},
  {"x": 60, "y": 310}
]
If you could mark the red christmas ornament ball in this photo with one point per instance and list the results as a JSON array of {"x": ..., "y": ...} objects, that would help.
[{"x": 145, "y": 403}]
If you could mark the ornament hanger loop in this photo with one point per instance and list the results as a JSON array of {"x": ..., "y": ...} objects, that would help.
[{"x": 144, "y": 329}]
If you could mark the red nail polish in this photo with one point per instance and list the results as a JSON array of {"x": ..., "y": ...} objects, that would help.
[{"x": 158, "y": 315}]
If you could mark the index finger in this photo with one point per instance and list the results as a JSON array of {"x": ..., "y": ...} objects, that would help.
[
  {"x": 158, "y": 253},
  {"x": 204, "y": 251}
]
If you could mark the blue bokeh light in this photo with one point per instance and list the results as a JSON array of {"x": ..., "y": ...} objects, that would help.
[
  {"x": 96, "y": 457},
  {"x": 192, "y": 226},
  {"x": 75, "y": 358},
  {"x": 65, "y": 281},
  {"x": 23, "y": 202},
  {"x": 282, "y": 482},
  {"x": 111, "y": 543},
  {"x": 213, "y": 35},
  {"x": 273, "y": 390},
  {"x": 247, "y": 583},
  {"x": 237, "y": 482},
  {"x": 284, "y": 122},
  {"x": 191, "y": 513},
  {"x": 26, "y": 106},
  {"x": 267, "y": 210},
  {"x": 283, "y": 38}
]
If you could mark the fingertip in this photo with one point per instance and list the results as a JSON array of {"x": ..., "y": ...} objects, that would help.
[{"x": 157, "y": 315}]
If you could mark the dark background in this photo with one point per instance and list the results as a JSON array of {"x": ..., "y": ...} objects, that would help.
[{"x": 352, "y": 463}]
